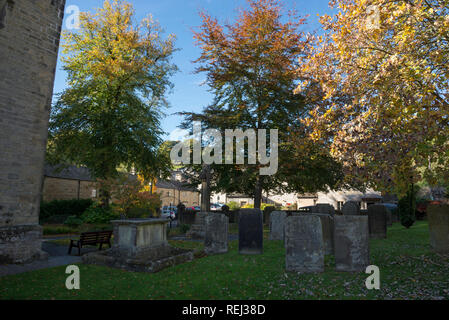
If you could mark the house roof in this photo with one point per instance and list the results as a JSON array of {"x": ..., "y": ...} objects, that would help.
[
  {"x": 68, "y": 172},
  {"x": 71, "y": 172},
  {"x": 164, "y": 184}
]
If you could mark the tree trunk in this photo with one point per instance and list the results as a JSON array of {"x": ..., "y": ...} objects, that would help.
[{"x": 258, "y": 194}]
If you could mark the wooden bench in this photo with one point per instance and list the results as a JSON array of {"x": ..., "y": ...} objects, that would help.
[{"x": 91, "y": 238}]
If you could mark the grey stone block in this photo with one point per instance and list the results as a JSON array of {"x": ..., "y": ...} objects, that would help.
[
  {"x": 351, "y": 243},
  {"x": 216, "y": 239},
  {"x": 377, "y": 220},
  {"x": 304, "y": 247},
  {"x": 438, "y": 217},
  {"x": 277, "y": 225}
]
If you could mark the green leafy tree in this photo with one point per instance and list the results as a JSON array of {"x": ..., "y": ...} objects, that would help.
[
  {"x": 250, "y": 68},
  {"x": 118, "y": 74}
]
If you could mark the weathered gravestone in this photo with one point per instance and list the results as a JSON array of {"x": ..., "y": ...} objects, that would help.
[
  {"x": 438, "y": 217},
  {"x": 377, "y": 221},
  {"x": 216, "y": 238},
  {"x": 266, "y": 214},
  {"x": 351, "y": 243},
  {"x": 350, "y": 208},
  {"x": 389, "y": 217},
  {"x": 250, "y": 231},
  {"x": 324, "y": 208},
  {"x": 327, "y": 223},
  {"x": 304, "y": 247},
  {"x": 197, "y": 229},
  {"x": 277, "y": 224}
]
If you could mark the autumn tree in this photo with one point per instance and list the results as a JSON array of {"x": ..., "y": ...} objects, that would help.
[
  {"x": 378, "y": 81},
  {"x": 118, "y": 74},
  {"x": 250, "y": 67}
]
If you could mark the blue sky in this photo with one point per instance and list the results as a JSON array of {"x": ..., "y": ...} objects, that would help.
[{"x": 179, "y": 17}]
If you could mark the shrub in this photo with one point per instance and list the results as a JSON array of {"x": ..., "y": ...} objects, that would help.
[
  {"x": 50, "y": 230},
  {"x": 73, "y": 207},
  {"x": 233, "y": 205},
  {"x": 184, "y": 228},
  {"x": 73, "y": 221},
  {"x": 132, "y": 199},
  {"x": 407, "y": 208},
  {"x": 97, "y": 214}
]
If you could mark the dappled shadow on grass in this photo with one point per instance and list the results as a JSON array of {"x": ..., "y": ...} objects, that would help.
[{"x": 408, "y": 271}]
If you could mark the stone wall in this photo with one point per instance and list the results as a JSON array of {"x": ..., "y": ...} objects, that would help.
[{"x": 29, "y": 43}]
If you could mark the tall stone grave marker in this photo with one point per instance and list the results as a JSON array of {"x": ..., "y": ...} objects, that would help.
[
  {"x": 377, "y": 220},
  {"x": 304, "y": 247},
  {"x": 216, "y": 239},
  {"x": 197, "y": 229},
  {"x": 277, "y": 224},
  {"x": 350, "y": 208},
  {"x": 250, "y": 231},
  {"x": 351, "y": 243},
  {"x": 438, "y": 217}
]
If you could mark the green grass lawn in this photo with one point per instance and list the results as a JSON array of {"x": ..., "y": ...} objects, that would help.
[{"x": 408, "y": 271}]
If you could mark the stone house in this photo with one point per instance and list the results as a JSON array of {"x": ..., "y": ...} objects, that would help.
[
  {"x": 77, "y": 183},
  {"x": 68, "y": 183},
  {"x": 173, "y": 192}
]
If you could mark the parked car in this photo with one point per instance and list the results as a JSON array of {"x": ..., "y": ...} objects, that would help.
[
  {"x": 169, "y": 212},
  {"x": 215, "y": 207}
]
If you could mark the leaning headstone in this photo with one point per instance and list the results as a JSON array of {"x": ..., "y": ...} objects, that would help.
[
  {"x": 304, "y": 248},
  {"x": 377, "y": 221},
  {"x": 324, "y": 208},
  {"x": 350, "y": 208},
  {"x": 351, "y": 243},
  {"x": 277, "y": 224},
  {"x": 266, "y": 214},
  {"x": 327, "y": 223},
  {"x": 216, "y": 238},
  {"x": 197, "y": 229},
  {"x": 250, "y": 231},
  {"x": 438, "y": 217}
]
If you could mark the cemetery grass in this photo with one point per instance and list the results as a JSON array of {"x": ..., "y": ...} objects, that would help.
[{"x": 409, "y": 270}]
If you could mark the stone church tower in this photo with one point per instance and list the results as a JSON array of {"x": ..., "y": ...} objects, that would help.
[{"x": 29, "y": 42}]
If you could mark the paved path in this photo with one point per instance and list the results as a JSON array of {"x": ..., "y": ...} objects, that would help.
[{"x": 57, "y": 257}]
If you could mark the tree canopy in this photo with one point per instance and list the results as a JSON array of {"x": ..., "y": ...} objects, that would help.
[
  {"x": 251, "y": 70},
  {"x": 118, "y": 75},
  {"x": 378, "y": 81}
]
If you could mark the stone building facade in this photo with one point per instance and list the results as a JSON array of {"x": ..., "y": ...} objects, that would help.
[
  {"x": 173, "y": 192},
  {"x": 67, "y": 184},
  {"x": 71, "y": 182},
  {"x": 29, "y": 43}
]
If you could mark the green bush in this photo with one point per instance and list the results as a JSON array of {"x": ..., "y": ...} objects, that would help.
[
  {"x": 233, "y": 205},
  {"x": 135, "y": 213},
  {"x": 51, "y": 230},
  {"x": 407, "y": 208},
  {"x": 96, "y": 214},
  {"x": 73, "y": 221},
  {"x": 67, "y": 208},
  {"x": 184, "y": 228}
]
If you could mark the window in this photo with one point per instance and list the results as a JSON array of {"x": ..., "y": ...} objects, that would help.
[{"x": 340, "y": 205}]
